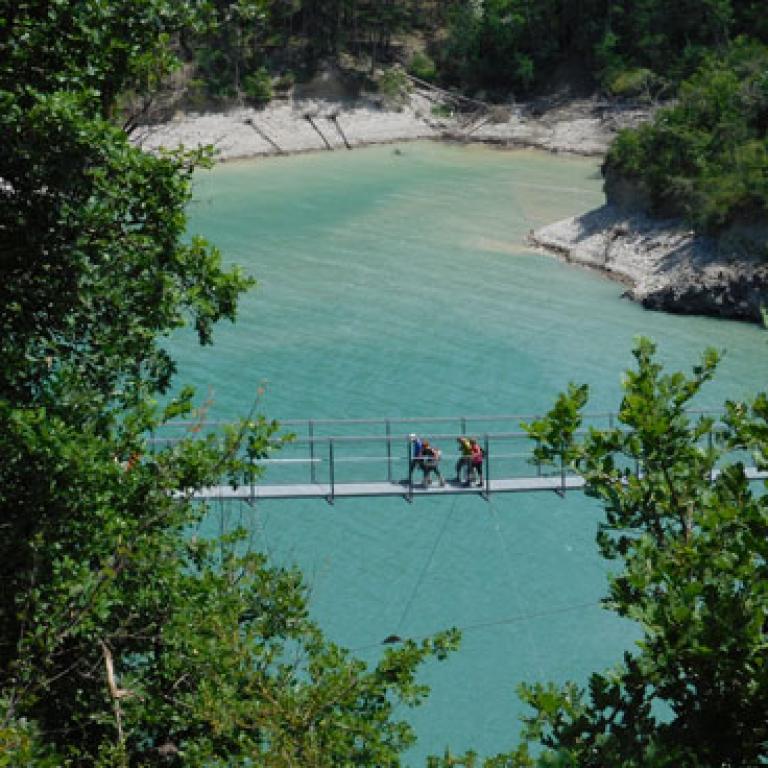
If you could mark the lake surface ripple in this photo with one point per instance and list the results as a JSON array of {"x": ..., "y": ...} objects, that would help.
[{"x": 394, "y": 281}]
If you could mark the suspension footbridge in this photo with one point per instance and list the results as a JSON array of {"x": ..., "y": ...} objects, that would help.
[{"x": 357, "y": 458}]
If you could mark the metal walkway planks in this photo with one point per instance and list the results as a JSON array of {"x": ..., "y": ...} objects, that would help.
[
  {"x": 383, "y": 489},
  {"x": 556, "y": 484}
]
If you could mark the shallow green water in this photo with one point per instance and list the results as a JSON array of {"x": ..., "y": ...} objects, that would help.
[{"x": 398, "y": 285}]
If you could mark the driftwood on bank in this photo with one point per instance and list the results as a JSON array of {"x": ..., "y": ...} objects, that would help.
[
  {"x": 312, "y": 122},
  {"x": 472, "y": 114},
  {"x": 263, "y": 135},
  {"x": 334, "y": 118},
  {"x": 444, "y": 94}
]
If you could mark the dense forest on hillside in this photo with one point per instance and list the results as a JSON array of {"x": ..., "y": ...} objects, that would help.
[
  {"x": 707, "y": 159},
  {"x": 497, "y": 47}
]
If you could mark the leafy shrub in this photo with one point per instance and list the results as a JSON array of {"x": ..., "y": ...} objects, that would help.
[
  {"x": 707, "y": 157},
  {"x": 637, "y": 82},
  {"x": 394, "y": 86},
  {"x": 214, "y": 67},
  {"x": 423, "y": 66},
  {"x": 441, "y": 110},
  {"x": 257, "y": 86},
  {"x": 20, "y": 743},
  {"x": 197, "y": 93},
  {"x": 499, "y": 45},
  {"x": 525, "y": 69}
]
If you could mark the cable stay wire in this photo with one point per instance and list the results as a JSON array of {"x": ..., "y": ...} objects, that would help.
[
  {"x": 262, "y": 530},
  {"x": 513, "y": 583},
  {"x": 524, "y": 617},
  {"x": 519, "y": 618},
  {"x": 423, "y": 574}
]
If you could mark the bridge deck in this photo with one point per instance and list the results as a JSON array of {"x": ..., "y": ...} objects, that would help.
[
  {"x": 348, "y": 464},
  {"x": 381, "y": 489},
  {"x": 554, "y": 483}
]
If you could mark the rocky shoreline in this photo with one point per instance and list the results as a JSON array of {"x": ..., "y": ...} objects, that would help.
[{"x": 664, "y": 264}]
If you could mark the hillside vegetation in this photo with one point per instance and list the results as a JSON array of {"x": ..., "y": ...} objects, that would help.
[
  {"x": 705, "y": 159},
  {"x": 500, "y": 47}
]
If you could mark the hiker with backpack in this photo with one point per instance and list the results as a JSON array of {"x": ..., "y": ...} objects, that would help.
[
  {"x": 431, "y": 463},
  {"x": 477, "y": 462},
  {"x": 464, "y": 464}
]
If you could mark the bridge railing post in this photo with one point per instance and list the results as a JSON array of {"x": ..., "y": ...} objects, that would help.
[
  {"x": 331, "y": 471},
  {"x": 388, "y": 430},
  {"x": 252, "y": 477},
  {"x": 311, "y": 432},
  {"x": 487, "y": 460},
  {"x": 562, "y": 471},
  {"x": 409, "y": 458}
]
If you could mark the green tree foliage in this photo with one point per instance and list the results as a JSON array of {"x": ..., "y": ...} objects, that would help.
[
  {"x": 509, "y": 44},
  {"x": 690, "y": 538},
  {"x": 227, "y": 46},
  {"x": 379, "y": 21},
  {"x": 667, "y": 39},
  {"x": 637, "y": 48},
  {"x": 126, "y": 637},
  {"x": 498, "y": 44},
  {"x": 360, "y": 26},
  {"x": 422, "y": 66},
  {"x": 707, "y": 157},
  {"x": 93, "y": 265}
]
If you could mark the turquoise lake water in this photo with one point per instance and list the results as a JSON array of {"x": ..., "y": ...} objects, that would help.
[{"x": 397, "y": 284}]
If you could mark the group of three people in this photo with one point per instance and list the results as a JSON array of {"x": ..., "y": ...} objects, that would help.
[{"x": 426, "y": 457}]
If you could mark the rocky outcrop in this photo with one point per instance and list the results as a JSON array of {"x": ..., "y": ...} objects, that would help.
[{"x": 664, "y": 264}]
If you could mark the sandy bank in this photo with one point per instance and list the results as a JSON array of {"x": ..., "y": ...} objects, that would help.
[
  {"x": 665, "y": 265},
  {"x": 583, "y": 127}
]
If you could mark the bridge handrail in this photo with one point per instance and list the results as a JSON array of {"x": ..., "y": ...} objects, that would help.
[
  {"x": 399, "y": 420},
  {"x": 398, "y": 438},
  {"x": 310, "y": 426},
  {"x": 324, "y": 458}
]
